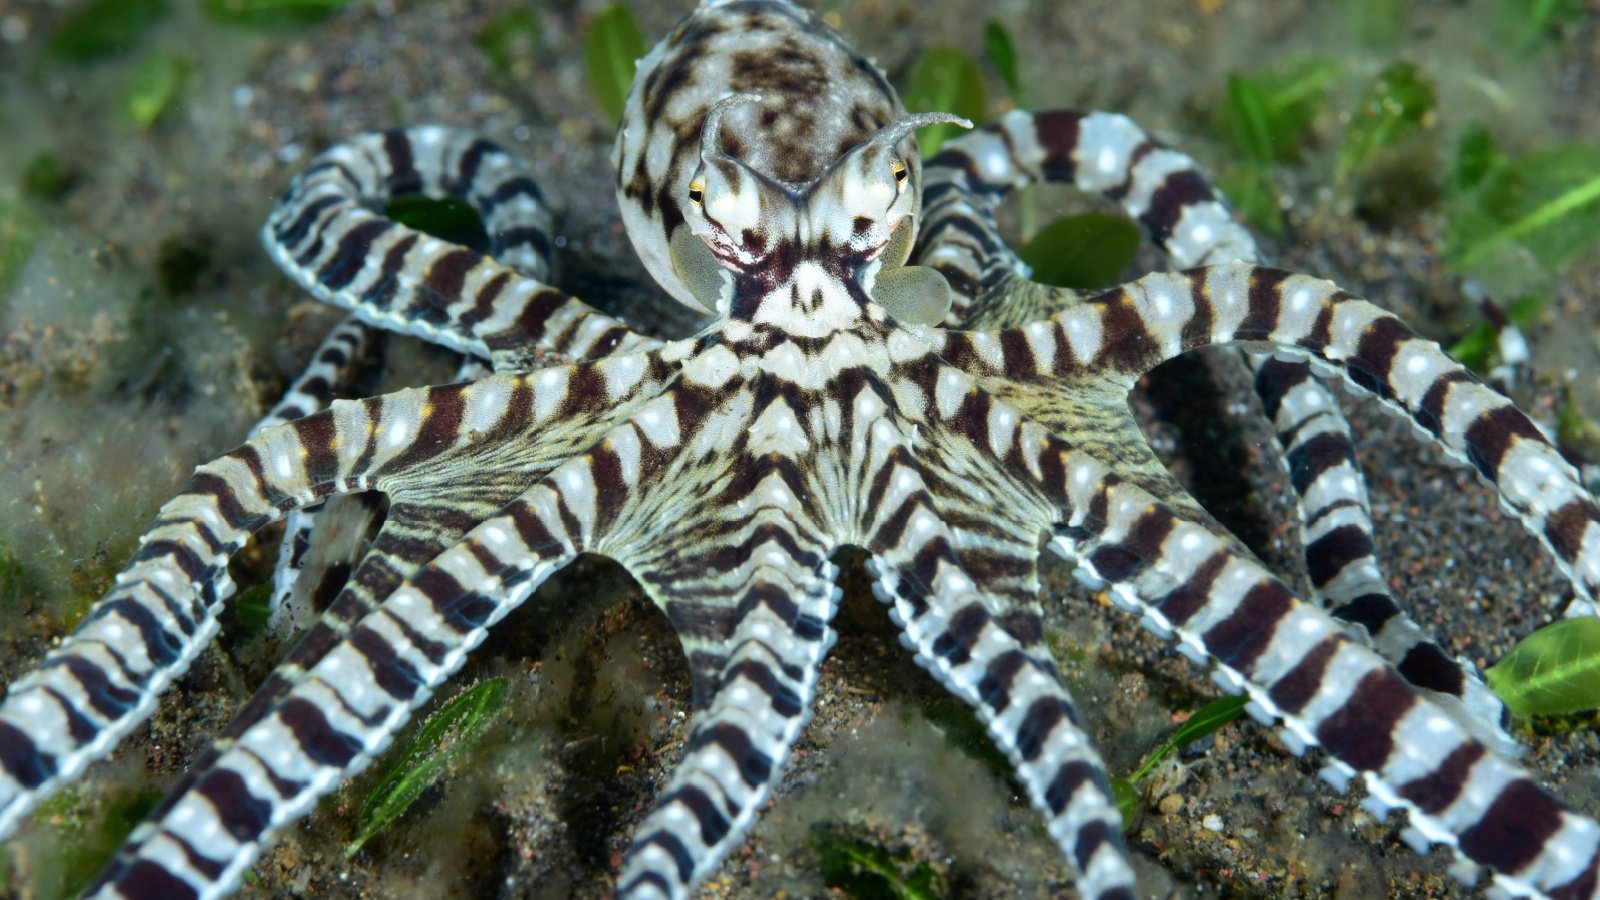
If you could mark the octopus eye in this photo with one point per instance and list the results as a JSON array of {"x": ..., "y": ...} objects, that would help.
[
  {"x": 697, "y": 191},
  {"x": 898, "y": 167}
]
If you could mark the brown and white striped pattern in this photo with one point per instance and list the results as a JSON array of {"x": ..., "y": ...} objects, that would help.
[
  {"x": 388, "y": 640},
  {"x": 328, "y": 372},
  {"x": 723, "y": 471},
  {"x": 1171, "y": 198},
  {"x": 1126, "y": 332},
  {"x": 1191, "y": 585},
  {"x": 324, "y": 235},
  {"x": 962, "y": 587}
]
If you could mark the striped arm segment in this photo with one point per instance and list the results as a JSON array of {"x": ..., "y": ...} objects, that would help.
[
  {"x": 330, "y": 369},
  {"x": 326, "y": 237},
  {"x": 966, "y": 599},
  {"x": 343, "y": 710},
  {"x": 1296, "y": 664},
  {"x": 1126, "y": 332},
  {"x": 1295, "y": 661},
  {"x": 1168, "y": 194},
  {"x": 724, "y": 541},
  {"x": 103, "y": 680},
  {"x": 402, "y": 627},
  {"x": 753, "y": 616},
  {"x": 1342, "y": 557}
]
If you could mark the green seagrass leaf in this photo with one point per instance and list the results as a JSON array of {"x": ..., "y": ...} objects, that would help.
[
  {"x": 1002, "y": 52},
  {"x": 1085, "y": 251},
  {"x": 272, "y": 13},
  {"x": 1399, "y": 103},
  {"x": 611, "y": 52},
  {"x": 1542, "y": 208},
  {"x": 105, "y": 27},
  {"x": 1476, "y": 156},
  {"x": 510, "y": 40},
  {"x": 1552, "y": 671},
  {"x": 1126, "y": 796},
  {"x": 862, "y": 869},
  {"x": 155, "y": 87},
  {"x": 1206, "y": 720},
  {"x": 427, "y": 755},
  {"x": 945, "y": 79}
]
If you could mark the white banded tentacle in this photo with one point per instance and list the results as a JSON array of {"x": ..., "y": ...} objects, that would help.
[
  {"x": 326, "y": 237},
  {"x": 1169, "y": 195}
]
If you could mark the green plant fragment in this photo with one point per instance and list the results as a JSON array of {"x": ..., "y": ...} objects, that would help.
[
  {"x": 962, "y": 728},
  {"x": 447, "y": 219},
  {"x": 945, "y": 79},
  {"x": 611, "y": 53},
  {"x": 1552, "y": 671},
  {"x": 1526, "y": 25},
  {"x": 1250, "y": 126},
  {"x": 1546, "y": 204},
  {"x": 1399, "y": 103},
  {"x": 86, "y": 832},
  {"x": 1002, "y": 53},
  {"x": 1476, "y": 156},
  {"x": 1250, "y": 190},
  {"x": 864, "y": 870},
  {"x": 1377, "y": 24},
  {"x": 509, "y": 39},
  {"x": 1574, "y": 429},
  {"x": 12, "y": 579},
  {"x": 20, "y": 229},
  {"x": 272, "y": 13},
  {"x": 155, "y": 87},
  {"x": 43, "y": 177},
  {"x": 1125, "y": 794},
  {"x": 1084, "y": 251},
  {"x": 253, "y": 608},
  {"x": 1475, "y": 348},
  {"x": 105, "y": 27},
  {"x": 1266, "y": 117},
  {"x": 1206, "y": 720},
  {"x": 426, "y": 756}
]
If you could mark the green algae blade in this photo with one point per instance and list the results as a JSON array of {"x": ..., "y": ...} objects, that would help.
[
  {"x": 1555, "y": 670},
  {"x": 427, "y": 756},
  {"x": 272, "y": 13},
  {"x": 611, "y": 52},
  {"x": 1546, "y": 204},
  {"x": 1399, "y": 103},
  {"x": 155, "y": 87},
  {"x": 1085, "y": 251},
  {"x": 861, "y": 869},
  {"x": 510, "y": 39},
  {"x": 1206, "y": 720},
  {"x": 946, "y": 80},
  {"x": 1002, "y": 53}
]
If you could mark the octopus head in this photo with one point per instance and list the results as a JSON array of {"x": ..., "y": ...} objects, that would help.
[{"x": 851, "y": 229}]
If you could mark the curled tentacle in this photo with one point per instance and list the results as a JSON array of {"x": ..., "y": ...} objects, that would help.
[
  {"x": 326, "y": 237},
  {"x": 1184, "y": 215}
]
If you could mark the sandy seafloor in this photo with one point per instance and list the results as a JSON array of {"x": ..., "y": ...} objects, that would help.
[{"x": 113, "y": 386}]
